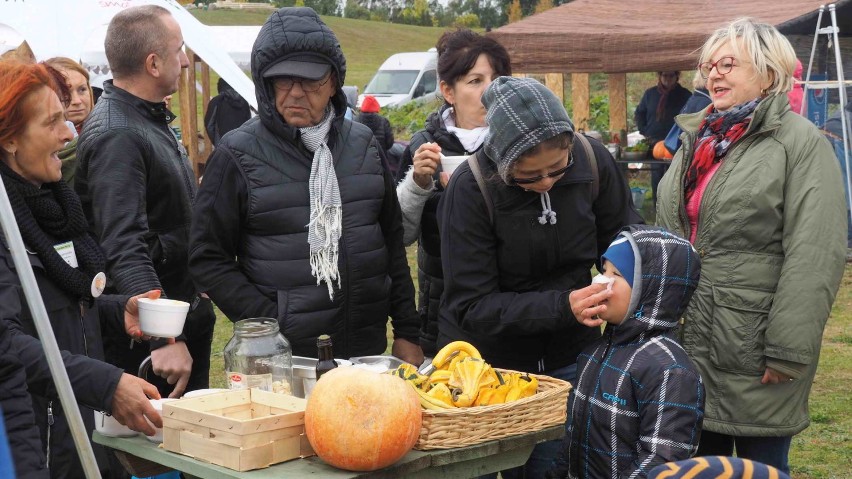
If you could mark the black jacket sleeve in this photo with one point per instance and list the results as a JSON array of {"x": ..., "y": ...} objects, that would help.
[
  {"x": 640, "y": 116},
  {"x": 404, "y": 318},
  {"x": 214, "y": 241},
  {"x": 24, "y": 440},
  {"x": 388, "y": 136},
  {"x": 671, "y": 414},
  {"x": 117, "y": 189},
  {"x": 472, "y": 294},
  {"x": 613, "y": 194}
]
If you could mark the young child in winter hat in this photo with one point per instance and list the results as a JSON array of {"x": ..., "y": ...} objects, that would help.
[
  {"x": 716, "y": 467},
  {"x": 638, "y": 401}
]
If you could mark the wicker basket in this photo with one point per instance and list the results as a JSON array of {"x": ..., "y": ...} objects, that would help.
[{"x": 472, "y": 425}]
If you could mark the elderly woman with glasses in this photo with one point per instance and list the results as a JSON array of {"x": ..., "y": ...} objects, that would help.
[
  {"x": 756, "y": 189},
  {"x": 524, "y": 231}
]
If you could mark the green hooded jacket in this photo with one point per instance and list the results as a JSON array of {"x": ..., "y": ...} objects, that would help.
[
  {"x": 771, "y": 236},
  {"x": 68, "y": 155}
]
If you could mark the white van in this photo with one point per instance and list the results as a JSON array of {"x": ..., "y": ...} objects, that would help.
[{"x": 404, "y": 77}]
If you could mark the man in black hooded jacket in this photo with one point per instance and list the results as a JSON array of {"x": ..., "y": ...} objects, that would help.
[{"x": 297, "y": 217}]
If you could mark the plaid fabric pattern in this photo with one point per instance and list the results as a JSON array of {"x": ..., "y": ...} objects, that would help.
[
  {"x": 716, "y": 467},
  {"x": 639, "y": 401}
]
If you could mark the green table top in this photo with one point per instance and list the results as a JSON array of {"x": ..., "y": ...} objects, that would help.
[{"x": 456, "y": 463}]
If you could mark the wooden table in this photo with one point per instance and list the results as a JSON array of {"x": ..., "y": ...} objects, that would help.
[{"x": 143, "y": 458}]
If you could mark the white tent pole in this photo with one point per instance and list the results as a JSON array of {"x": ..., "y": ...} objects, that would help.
[
  {"x": 811, "y": 61},
  {"x": 45, "y": 333},
  {"x": 841, "y": 90}
]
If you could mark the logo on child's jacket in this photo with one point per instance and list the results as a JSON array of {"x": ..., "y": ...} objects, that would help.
[{"x": 614, "y": 398}]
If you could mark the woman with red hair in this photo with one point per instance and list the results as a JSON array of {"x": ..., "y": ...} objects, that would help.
[{"x": 67, "y": 264}]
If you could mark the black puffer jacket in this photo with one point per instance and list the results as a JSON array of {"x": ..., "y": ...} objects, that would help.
[
  {"x": 380, "y": 126},
  {"x": 253, "y": 206},
  {"x": 77, "y": 331},
  {"x": 507, "y": 283},
  {"x": 430, "y": 275},
  {"x": 638, "y": 401}
]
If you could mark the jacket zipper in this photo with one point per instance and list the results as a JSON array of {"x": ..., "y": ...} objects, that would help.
[
  {"x": 83, "y": 329},
  {"x": 181, "y": 166},
  {"x": 50, "y": 422}
]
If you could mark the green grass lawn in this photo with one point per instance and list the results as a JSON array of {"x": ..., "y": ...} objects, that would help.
[{"x": 823, "y": 451}]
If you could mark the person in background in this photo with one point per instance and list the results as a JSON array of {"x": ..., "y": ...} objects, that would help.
[
  {"x": 467, "y": 64},
  {"x": 508, "y": 267},
  {"x": 833, "y": 130},
  {"x": 137, "y": 187},
  {"x": 612, "y": 431},
  {"x": 716, "y": 467},
  {"x": 699, "y": 100},
  {"x": 67, "y": 264},
  {"x": 380, "y": 125},
  {"x": 756, "y": 189},
  {"x": 796, "y": 94},
  {"x": 297, "y": 217},
  {"x": 655, "y": 114},
  {"x": 225, "y": 112},
  {"x": 79, "y": 107}
]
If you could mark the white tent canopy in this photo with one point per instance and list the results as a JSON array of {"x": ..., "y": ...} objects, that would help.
[{"x": 77, "y": 30}]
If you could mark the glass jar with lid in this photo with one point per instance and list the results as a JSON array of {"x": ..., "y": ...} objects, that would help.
[{"x": 259, "y": 356}]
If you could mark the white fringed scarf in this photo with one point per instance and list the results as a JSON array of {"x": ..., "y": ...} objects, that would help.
[{"x": 325, "y": 227}]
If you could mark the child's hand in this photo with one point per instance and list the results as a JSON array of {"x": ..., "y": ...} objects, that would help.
[{"x": 585, "y": 304}]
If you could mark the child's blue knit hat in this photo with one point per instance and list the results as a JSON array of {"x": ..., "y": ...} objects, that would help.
[
  {"x": 620, "y": 254},
  {"x": 715, "y": 467}
]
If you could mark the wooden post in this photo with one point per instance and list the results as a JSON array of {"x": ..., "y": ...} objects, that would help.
[
  {"x": 555, "y": 83},
  {"x": 580, "y": 99},
  {"x": 205, "y": 100},
  {"x": 189, "y": 125},
  {"x": 519, "y": 75},
  {"x": 618, "y": 106}
]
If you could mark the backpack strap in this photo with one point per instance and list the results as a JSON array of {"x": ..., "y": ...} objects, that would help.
[
  {"x": 593, "y": 163},
  {"x": 473, "y": 161}
]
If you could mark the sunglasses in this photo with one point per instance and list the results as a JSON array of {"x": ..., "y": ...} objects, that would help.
[
  {"x": 285, "y": 83},
  {"x": 553, "y": 174}
]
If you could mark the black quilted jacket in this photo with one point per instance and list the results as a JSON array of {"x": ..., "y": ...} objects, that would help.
[
  {"x": 137, "y": 188},
  {"x": 249, "y": 234}
]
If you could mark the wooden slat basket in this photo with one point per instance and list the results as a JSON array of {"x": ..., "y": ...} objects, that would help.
[
  {"x": 240, "y": 430},
  {"x": 461, "y": 427}
]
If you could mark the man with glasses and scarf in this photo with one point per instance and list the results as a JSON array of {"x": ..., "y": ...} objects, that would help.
[{"x": 297, "y": 218}]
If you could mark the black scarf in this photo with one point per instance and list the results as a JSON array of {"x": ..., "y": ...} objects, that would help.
[{"x": 50, "y": 215}]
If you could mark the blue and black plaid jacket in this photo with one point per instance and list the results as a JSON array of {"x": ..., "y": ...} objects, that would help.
[{"x": 638, "y": 400}]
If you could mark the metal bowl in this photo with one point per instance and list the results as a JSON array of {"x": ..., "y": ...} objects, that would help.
[
  {"x": 633, "y": 155},
  {"x": 390, "y": 362},
  {"x": 305, "y": 374}
]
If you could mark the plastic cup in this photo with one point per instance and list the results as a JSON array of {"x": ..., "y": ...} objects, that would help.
[
  {"x": 162, "y": 318},
  {"x": 158, "y": 405},
  {"x": 109, "y": 426},
  {"x": 450, "y": 163}
]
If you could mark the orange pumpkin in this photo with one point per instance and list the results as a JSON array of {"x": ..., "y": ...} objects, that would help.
[
  {"x": 660, "y": 151},
  {"x": 362, "y": 421}
]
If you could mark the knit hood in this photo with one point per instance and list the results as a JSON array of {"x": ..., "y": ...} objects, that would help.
[
  {"x": 370, "y": 104},
  {"x": 665, "y": 274},
  {"x": 521, "y": 113},
  {"x": 288, "y": 32}
]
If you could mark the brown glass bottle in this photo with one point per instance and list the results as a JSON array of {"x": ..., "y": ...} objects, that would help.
[{"x": 325, "y": 357}]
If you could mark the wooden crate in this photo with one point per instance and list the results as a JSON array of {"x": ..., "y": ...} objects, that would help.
[{"x": 240, "y": 430}]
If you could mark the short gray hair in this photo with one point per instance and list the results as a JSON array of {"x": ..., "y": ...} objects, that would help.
[
  {"x": 764, "y": 46},
  {"x": 132, "y": 35}
]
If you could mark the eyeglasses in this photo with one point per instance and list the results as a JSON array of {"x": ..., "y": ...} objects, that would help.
[
  {"x": 723, "y": 66},
  {"x": 553, "y": 174},
  {"x": 286, "y": 83}
]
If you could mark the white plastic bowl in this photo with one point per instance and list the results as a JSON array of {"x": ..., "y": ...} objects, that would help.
[
  {"x": 162, "y": 318},
  {"x": 202, "y": 392},
  {"x": 109, "y": 426},
  {"x": 450, "y": 163},
  {"x": 158, "y": 405}
]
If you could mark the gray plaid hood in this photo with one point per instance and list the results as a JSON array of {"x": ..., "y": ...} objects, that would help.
[{"x": 665, "y": 275}]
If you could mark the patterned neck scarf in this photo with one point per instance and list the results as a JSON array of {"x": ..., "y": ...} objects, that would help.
[
  {"x": 718, "y": 131},
  {"x": 326, "y": 225},
  {"x": 664, "y": 98}
]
